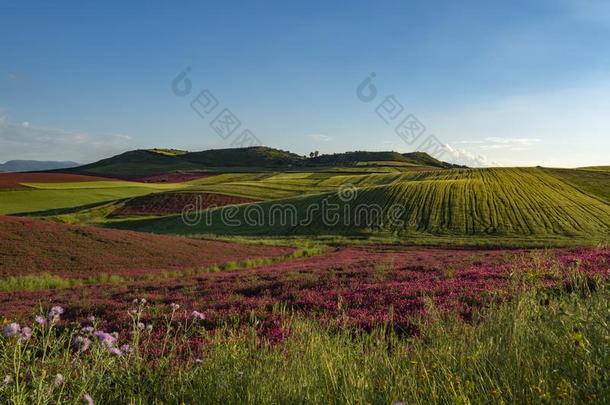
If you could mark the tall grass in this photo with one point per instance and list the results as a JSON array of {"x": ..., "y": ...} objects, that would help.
[
  {"x": 43, "y": 281},
  {"x": 538, "y": 348}
]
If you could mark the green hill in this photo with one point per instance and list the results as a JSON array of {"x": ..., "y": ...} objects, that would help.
[
  {"x": 146, "y": 162},
  {"x": 471, "y": 204},
  {"x": 253, "y": 157}
]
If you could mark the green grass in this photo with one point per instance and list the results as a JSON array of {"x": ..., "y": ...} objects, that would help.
[
  {"x": 528, "y": 206},
  {"x": 593, "y": 181},
  {"x": 519, "y": 205},
  {"x": 54, "y": 196},
  {"x": 112, "y": 184},
  {"x": 541, "y": 347}
]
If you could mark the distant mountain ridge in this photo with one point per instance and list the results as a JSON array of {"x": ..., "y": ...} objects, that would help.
[
  {"x": 35, "y": 165},
  {"x": 143, "y": 162}
]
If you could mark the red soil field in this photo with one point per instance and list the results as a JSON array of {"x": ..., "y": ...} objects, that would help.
[
  {"x": 174, "y": 177},
  {"x": 363, "y": 286},
  {"x": 174, "y": 203},
  {"x": 13, "y": 180},
  {"x": 30, "y": 246}
]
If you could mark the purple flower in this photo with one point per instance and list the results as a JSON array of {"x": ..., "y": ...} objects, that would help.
[
  {"x": 10, "y": 330},
  {"x": 82, "y": 343},
  {"x": 91, "y": 318},
  {"x": 87, "y": 399},
  {"x": 198, "y": 315},
  {"x": 26, "y": 333},
  {"x": 106, "y": 338},
  {"x": 126, "y": 348},
  {"x": 55, "y": 313},
  {"x": 41, "y": 320},
  {"x": 87, "y": 329},
  {"x": 115, "y": 351}
]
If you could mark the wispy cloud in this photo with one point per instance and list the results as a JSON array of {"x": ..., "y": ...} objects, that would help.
[
  {"x": 506, "y": 143},
  {"x": 27, "y": 141}
]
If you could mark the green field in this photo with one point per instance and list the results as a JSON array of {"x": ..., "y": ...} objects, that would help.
[
  {"x": 476, "y": 204},
  {"x": 395, "y": 201},
  {"x": 48, "y": 196}
]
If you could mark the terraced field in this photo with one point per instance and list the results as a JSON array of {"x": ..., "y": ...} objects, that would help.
[
  {"x": 459, "y": 206},
  {"x": 512, "y": 203}
]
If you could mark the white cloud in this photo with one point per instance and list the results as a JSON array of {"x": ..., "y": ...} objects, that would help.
[
  {"x": 27, "y": 141},
  {"x": 320, "y": 137},
  {"x": 464, "y": 157}
]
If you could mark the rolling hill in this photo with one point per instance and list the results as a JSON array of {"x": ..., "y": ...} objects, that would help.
[
  {"x": 409, "y": 198},
  {"x": 519, "y": 204},
  {"x": 146, "y": 162}
]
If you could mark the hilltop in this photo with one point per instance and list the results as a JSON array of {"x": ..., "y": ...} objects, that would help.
[{"x": 145, "y": 162}]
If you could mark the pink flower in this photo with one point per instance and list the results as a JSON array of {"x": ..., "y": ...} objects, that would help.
[
  {"x": 126, "y": 348},
  {"x": 87, "y": 329},
  {"x": 198, "y": 315},
  {"x": 174, "y": 306},
  {"x": 10, "y": 330},
  {"x": 87, "y": 399},
  {"x": 116, "y": 351},
  {"x": 41, "y": 320}
]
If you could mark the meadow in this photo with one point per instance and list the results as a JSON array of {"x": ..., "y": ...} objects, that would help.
[
  {"x": 123, "y": 281},
  {"x": 541, "y": 346}
]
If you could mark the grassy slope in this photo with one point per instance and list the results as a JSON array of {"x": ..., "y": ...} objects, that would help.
[
  {"x": 32, "y": 247},
  {"x": 595, "y": 182},
  {"x": 460, "y": 203}
]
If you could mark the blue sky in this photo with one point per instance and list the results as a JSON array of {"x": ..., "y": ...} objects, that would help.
[{"x": 497, "y": 83}]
